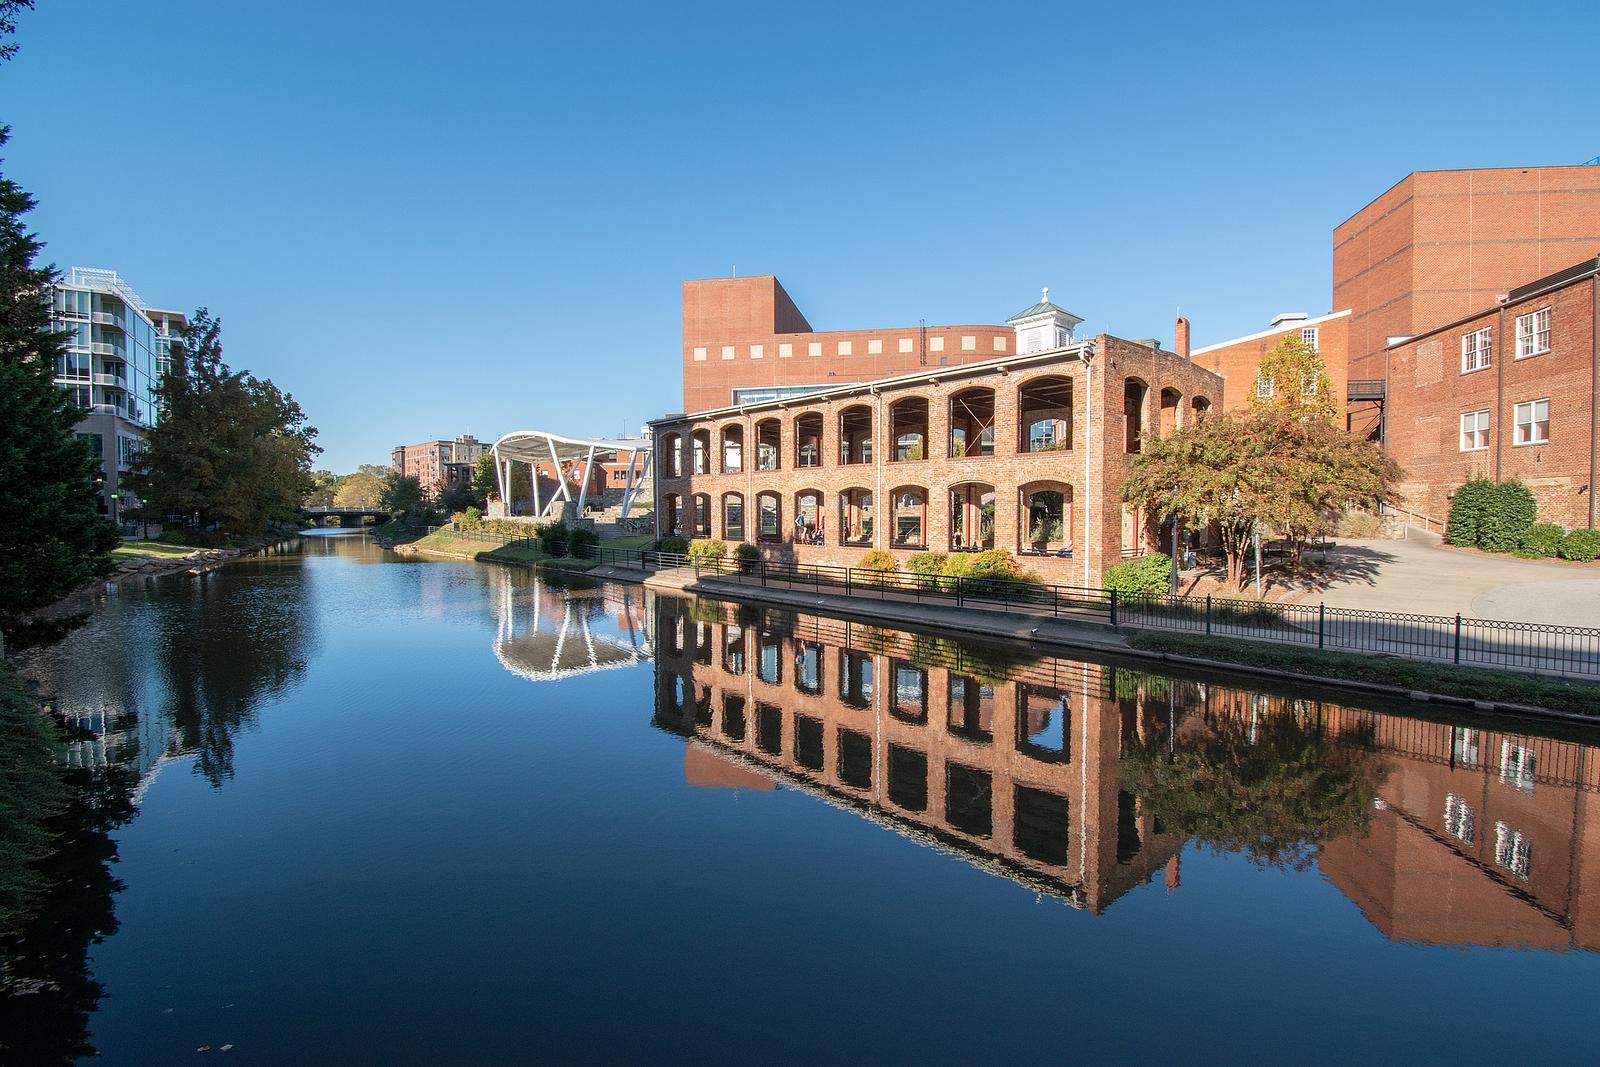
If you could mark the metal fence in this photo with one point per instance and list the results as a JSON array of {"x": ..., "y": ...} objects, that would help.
[{"x": 1542, "y": 647}]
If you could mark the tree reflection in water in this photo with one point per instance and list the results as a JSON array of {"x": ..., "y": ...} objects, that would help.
[{"x": 1264, "y": 780}]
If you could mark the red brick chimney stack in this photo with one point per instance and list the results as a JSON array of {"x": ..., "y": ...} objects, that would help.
[{"x": 1180, "y": 337}]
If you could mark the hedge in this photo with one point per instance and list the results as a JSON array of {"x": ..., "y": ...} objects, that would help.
[
  {"x": 1151, "y": 573},
  {"x": 1466, "y": 512},
  {"x": 1542, "y": 540},
  {"x": 1581, "y": 545},
  {"x": 1508, "y": 516}
]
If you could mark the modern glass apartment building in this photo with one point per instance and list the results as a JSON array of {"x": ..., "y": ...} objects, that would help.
[{"x": 117, "y": 350}]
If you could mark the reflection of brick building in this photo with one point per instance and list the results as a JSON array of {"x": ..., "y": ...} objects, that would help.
[
  {"x": 1026, "y": 453},
  {"x": 1475, "y": 836},
  {"x": 439, "y": 465},
  {"x": 744, "y": 339}
]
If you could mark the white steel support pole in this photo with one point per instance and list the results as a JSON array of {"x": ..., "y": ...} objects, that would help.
[
  {"x": 583, "y": 489},
  {"x": 499, "y": 474},
  {"x": 533, "y": 483},
  {"x": 629, "y": 490}
]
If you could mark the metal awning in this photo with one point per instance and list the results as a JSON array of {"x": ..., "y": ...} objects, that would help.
[{"x": 534, "y": 447}]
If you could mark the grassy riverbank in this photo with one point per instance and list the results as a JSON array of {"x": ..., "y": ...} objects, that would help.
[
  {"x": 152, "y": 550},
  {"x": 1473, "y": 683},
  {"x": 451, "y": 544}
]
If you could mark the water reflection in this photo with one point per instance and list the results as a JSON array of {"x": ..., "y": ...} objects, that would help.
[
  {"x": 1083, "y": 780},
  {"x": 551, "y": 626}
]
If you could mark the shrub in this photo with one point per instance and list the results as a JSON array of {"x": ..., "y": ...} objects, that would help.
[
  {"x": 879, "y": 560},
  {"x": 1151, "y": 573},
  {"x": 1509, "y": 514},
  {"x": 676, "y": 545},
  {"x": 929, "y": 563},
  {"x": 1542, "y": 541},
  {"x": 986, "y": 571},
  {"x": 583, "y": 542},
  {"x": 748, "y": 556},
  {"x": 707, "y": 551},
  {"x": 472, "y": 515},
  {"x": 1581, "y": 545},
  {"x": 554, "y": 540},
  {"x": 1467, "y": 509}
]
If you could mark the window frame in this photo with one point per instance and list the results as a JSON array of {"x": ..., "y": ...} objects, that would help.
[
  {"x": 1531, "y": 333},
  {"x": 1484, "y": 430},
  {"x": 1517, "y": 440},
  {"x": 1482, "y": 349}
]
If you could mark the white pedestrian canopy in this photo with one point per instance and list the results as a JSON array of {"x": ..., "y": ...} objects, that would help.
[{"x": 566, "y": 455}]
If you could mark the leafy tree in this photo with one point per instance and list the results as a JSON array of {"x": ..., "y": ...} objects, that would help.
[
  {"x": 401, "y": 495},
  {"x": 52, "y": 538},
  {"x": 1321, "y": 471},
  {"x": 231, "y": 449},
  {"x": 323, "y": 486},
  {"x": 8, "y": 25},
  {"x": 484, "y": 481},
  {"x": 363, "y": 489},
  {"x": 1299, "y": 380}
]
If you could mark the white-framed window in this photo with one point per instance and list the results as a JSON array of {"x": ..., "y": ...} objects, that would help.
[
  {"x": 1533, "y": 333},
  {"x": 1264, "y": 387},
  {"x": 874, "y": 347},
  {"x": 786, "y": 351},
  {"x": 905, "y": 344},
  {"x": 1516, "y": 766},
  {"x": 1511, "y": 850},
  {"x": 1464, "y": 746},
  {"x": 969, "y": 344},
  {"x": 1533, "y": 423},
  {"x": 936, "y": 344},
  {"x": 758, "y": 351},
  {"x": 1477, "y": 348},
  {"x": 727, "y": 351},
  {"x": 1459, "y": 821},
  {"x": 999, "y": 343},
  {"x": 1308, "y": 334},
  {"x": 699, "y": 355},
  {"x": 846, "y": 348},
  {"x": 813, "y": 348},
  {"x": 1475, "y": 430}
]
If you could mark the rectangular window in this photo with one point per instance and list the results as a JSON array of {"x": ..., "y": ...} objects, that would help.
[
  {"x": 1475, "y": 431},
  {"x": 874, "y": 347},
  {"x": 1517, "y": 766},
  {"x": 1309, "y": 336},
  {"x": 1533, "y": 423},
  {"x": 905, "y": 344},
  {"x": 1458, "y": 819},
  {"x": 1533, "y": 333},
  {"x": 1476, "y": 349},
  {"x": 733, "y": 520},
  {"x": 846, "y": 348},
  {"x": 1264, "y": 388},
  {"x": 699, "y": 355},
  {"x": 1511, "y": 850}
]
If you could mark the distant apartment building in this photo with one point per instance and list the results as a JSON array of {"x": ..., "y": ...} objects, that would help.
[
  {"x": 439, "y": 465},
  {"x": 1507, "y": 391},
  {"x": 744, "y": 340},
  {"x": 1027, "y": 451},
  {"x": 118, "y": 349}
]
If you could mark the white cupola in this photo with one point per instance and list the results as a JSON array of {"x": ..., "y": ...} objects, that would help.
[{"x": 1043, "y": 326}]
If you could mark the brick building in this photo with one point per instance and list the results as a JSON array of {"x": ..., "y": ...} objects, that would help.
[
  {"x": 1508, "y": 391},
  {"x": 745, "y": 340},
  {"x": 439, "y": 465},
  {"x": 1238, "y": 361},
  {"x": 1026, "y": 452}
]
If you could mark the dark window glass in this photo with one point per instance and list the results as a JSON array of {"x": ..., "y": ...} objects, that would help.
[
  {"x": 908, "y": 778},
  {"x": 808, "y": 742},
  {"x": 1041, "y": 826},
  {"x": 733, "y": 717},
  {"x": 769, "y": 728},
  {"x": 968, "y": 800},
  {"x": 855, "y": 759}
]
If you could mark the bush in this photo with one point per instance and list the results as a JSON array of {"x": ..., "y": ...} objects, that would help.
[
  {"x": 583, "y": 542},
  {"x": 703, "y": 551},
  {"x": 748, "y": 556},
  {"x": 1508, "y": 516},
  {"x": 554, "y": 540},
  {"x": 986, "y": 571},
  {"x": 1581, "y": 545},
  {"x": 676, "y": 545},
  {"x": 1151, "y": 573},
  {"x": 878, "y": 560},
  {"x": 1467, "y": 509},
  {"x": 472, "y": 515},
  {"x": 1542, "y": 541},
  {"x": 929, "y": 563}
]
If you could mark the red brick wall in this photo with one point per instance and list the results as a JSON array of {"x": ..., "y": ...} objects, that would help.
[
  {"x": 1240, "y": 362},
  {"x": 1428, "y": 393}
]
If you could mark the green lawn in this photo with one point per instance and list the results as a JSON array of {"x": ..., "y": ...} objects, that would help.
[
  {"x": 1444, "y": 679},
  {"x": 151, "y": 550},
  {"x": 631, "y": 543},
  {"x": 489, "y": 552}
]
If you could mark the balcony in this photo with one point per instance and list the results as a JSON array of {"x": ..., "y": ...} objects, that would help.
[
  {"x": 105, "y": 318},
  {"x": 100, "y": 348},
  {"x": 1371, "y": 389},
  {"x": 112, "y": 381}
]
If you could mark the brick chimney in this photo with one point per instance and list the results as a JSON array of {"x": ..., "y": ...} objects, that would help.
[{"x": 1180, "y": 337}]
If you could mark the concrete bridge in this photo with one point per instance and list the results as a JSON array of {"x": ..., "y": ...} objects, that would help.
[{"x": 347, "y": 516}]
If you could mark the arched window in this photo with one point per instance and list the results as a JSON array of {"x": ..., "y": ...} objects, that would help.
[
  {"x": 672, "y": 512},
  {"x": 809, "y": 524},
  {"x": 1171, "y": 412},
  {"x": 808, "y": 439},
  {"x": 733, "y": 517},
  {"x": 1133, "y": 393},
  {"x": 1202, "y": 406},
  {"x": 1044, "y": 415},
  {"x": 702, "y": 515},
  {"x": 972, "y": 423},
  {"x": 769, "y": 444},
  {"x": 671, "y": 456},
  {"x": 972, "y": 517},
  {"x": 732, "y": 448},
  {"x": 908, "y": 428},
  {"x": 1046, "y": 526},
  {"x": 769, "y": 518},
  {"x": 855, "y": 517},
  {"x": 700, "y": 452},
  {"x": 910, "y": 526},
  {"x": 855, "y": 435}
]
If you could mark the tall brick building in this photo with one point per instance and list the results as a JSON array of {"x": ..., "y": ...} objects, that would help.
[{"x": 439, "y": 465}]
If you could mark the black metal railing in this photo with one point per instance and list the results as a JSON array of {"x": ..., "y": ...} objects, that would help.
[{"x": 1542, "y": 647}]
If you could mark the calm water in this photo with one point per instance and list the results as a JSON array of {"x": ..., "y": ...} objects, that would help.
[{"x": 351, "y": 808}]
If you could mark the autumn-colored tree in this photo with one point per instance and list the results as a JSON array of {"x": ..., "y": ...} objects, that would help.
[
  {"x": 1293, "y": 381},
  {"x": 1320, "y": 470}
]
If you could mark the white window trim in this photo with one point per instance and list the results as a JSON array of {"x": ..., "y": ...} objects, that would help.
[
  {"x": 1484, "y": 350},
  {"x": 1265, "y": 387},
  {"x": 1530, "y": 333},
  {"x": 1462, "y": 439},
  {"x": 1311, "y": 336},
  {"x": 1516, "y": 424}
]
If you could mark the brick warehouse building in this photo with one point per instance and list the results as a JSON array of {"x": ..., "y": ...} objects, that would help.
[
  {"x": 1508, "y": 391},
  {"x": 744, "y": 340},
  {"x": 1026, "y": 452},
  {"x": 1239, "y": 360}
]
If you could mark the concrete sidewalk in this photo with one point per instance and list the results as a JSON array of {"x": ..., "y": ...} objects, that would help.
[{"x": 1422, "y": 576}]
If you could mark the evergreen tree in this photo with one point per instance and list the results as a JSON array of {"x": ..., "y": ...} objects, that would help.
[
  {"x": 231, "y": 451},
  {"x": 53, "y": 538}
]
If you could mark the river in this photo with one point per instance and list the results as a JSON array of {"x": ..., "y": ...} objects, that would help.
[{"x": 345, "y": 807}]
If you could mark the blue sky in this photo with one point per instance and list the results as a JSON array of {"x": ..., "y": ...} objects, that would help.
[{"x": 431, "y": 219}]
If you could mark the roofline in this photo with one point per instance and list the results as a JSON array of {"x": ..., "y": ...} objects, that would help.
[
  {"x": 953, "y": 370},
  {"x": 1537, "y": 288},
  {"x": 1453, "y": 170},
  {"x": 1269, "y": 332}
]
